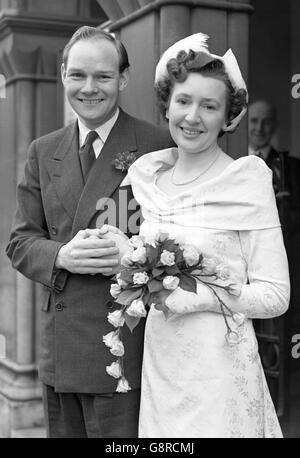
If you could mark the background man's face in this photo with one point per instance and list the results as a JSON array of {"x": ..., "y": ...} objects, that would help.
[
  {"x": 92, "y": 80},
  {"x": 261, "y": 124}
]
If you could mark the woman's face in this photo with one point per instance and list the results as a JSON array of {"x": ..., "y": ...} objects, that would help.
[{"x": 197, "y": 112}]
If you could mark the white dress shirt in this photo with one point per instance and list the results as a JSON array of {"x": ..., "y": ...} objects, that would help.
[{"x": 103, "y": 132}]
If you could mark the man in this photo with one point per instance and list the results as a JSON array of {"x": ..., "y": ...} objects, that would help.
[
  {"x": 262, "y": 124},
  {"x": 66, "y": 176}
]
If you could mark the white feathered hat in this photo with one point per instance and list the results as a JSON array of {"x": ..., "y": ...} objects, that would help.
[{"x": 197, "y": 42}]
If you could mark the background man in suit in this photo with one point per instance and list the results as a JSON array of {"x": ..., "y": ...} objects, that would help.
[
  {"x": 262, "y": 124},
  {"x": 66, "y": 175}
]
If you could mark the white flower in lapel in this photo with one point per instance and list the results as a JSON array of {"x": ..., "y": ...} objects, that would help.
[{"x": 124, "y": 160}]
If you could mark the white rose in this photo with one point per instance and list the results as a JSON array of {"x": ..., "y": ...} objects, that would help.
[
  {"x": 170, "y": 282},
  {"x": 140, "y": 278},
  {"x": 117, "y": 349},
  {"x": 136, "y": 241},
  {"x": 209, "y": 265},
  {"x": 136, "y": 308},
  {"x": 120, "y": 281},
  {"x": 239, "y": 318},
  {"x": 139, "y": 255},
  {"x": 167, "y": 258},
  {"x": 126, "y": 260},
  {"x": 232, "y": 338},
  {"x": 114, "y": 370},
  {"x": 123, "y": 386},
  {"x": 115, "y": 290},
  {"x": 223, "y": 272},
  {"x": 190, "y": 254},
  {"x": 110, "y": 338},
  {"x": 116, "y": 318}
]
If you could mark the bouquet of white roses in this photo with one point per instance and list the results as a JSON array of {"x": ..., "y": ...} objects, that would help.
[{"x": 149, "y": 268}]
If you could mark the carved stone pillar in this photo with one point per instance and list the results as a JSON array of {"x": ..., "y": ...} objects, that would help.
[
  {"x": 32, "y": 35},
  {"x": 148, "y": 27}
]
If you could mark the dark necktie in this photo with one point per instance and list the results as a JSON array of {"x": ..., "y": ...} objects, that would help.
[{"x": 87, "y": 154}]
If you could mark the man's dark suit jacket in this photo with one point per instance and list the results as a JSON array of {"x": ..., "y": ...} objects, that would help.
[
  {"x": 286, "y": 178},
  {"x": 53, "y": 205}
]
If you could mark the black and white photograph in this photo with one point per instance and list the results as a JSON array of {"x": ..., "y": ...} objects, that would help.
[{"x": 149, "y": 221}]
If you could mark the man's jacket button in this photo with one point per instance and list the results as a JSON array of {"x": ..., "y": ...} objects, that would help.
[
  {"x": 109, "y": 304},
  {"x": 59, "y": 306}
]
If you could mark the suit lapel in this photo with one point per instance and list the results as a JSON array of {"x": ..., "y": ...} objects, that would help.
[
  {"x": 275, "y": 163},
  {"x": 65, "y": 170},
  {"x": 273, "y": 155},
  {"x": 104, "y": 178}
]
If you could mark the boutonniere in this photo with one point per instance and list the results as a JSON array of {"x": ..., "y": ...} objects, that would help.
[{"x": 124, "y": 160}]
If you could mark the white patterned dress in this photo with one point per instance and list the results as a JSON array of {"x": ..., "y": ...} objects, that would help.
[{"x": 193, "y": 383}]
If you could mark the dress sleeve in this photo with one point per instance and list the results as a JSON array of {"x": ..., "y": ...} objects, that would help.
[{"x": 267, "y": 292}]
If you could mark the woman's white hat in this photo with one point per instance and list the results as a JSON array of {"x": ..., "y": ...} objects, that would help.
[{"x": 197, "y": 42}]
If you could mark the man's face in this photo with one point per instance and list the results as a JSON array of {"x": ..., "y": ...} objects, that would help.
[
  {"x": 261, "y": 124},
  {"x": 92, "y": 81}
]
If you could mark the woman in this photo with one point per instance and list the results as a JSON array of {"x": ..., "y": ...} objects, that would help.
[{"x": 193, "y": 383}]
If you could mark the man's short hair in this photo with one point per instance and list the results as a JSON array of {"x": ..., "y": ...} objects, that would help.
[{"x": 93, "y": 33}]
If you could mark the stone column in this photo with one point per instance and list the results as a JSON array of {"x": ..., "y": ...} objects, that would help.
[
  {"x": 32, "y": 35},
  {"x": 148, "y": 29}
]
